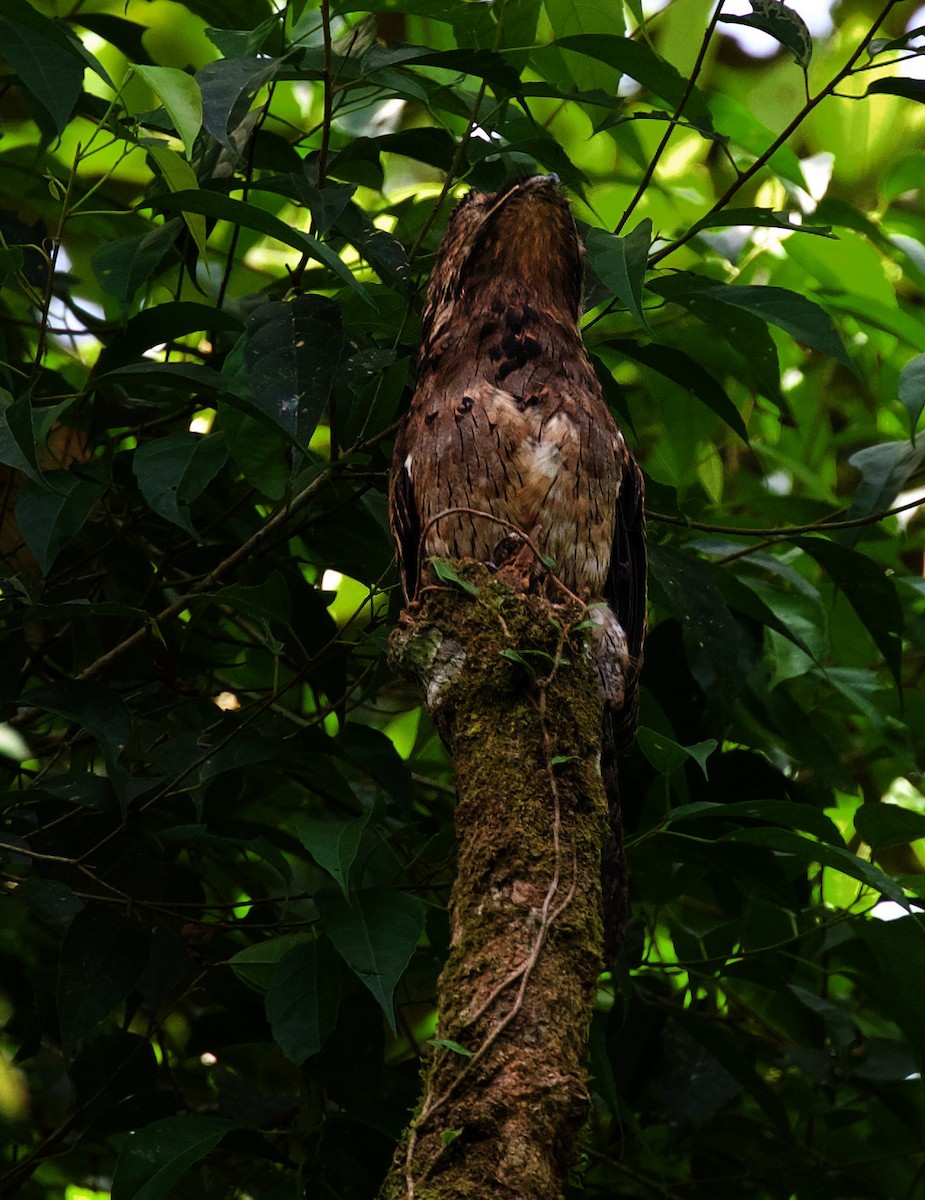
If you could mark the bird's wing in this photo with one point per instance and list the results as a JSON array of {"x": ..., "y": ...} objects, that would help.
[
  {"x": 405, "y": 519},
  {"x": 625, "y": 589}
]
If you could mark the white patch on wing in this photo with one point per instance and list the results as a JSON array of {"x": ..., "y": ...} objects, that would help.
[{"x": 408, "y": 465}]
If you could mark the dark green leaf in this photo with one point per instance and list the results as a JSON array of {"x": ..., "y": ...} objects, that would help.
[
  {"x": 717, "y": 652},
  {"x": 908, "y": 89},
  {"x": 885, "y": 470},
  {"x": 154, "y": 1158},
  {"x": 793, "y": 313},
  {"x": 869, "y": 591},
  {"x": 228, "y": 86},
  {"x": 303, "y": 998},
  {"x": 124, "y": 265},
  {"x": 767, "y": 218},
  {"x": 882, "y": 825},
  {"x": 667, "y": 756},
  {"x": 51, "y": 515},
  {"x": 173, "y": 471},
  {"x": 255, "y": 964},
  {"x": 375, "y": 936},
  {"x": 96, "y": 708},
  {"x": 839, "y": 858},
  {"x": 683, "y": 370},
  {"x": 52, "y": 73},
  {"x": 780, "y": 22},
  {"x": 912, "y": 390},
  {"x": 291, "y": 352},
  {"x": 333, "y": 845},
  {"x": 249, "y": 216},
  {"x": 620, "y": 262},
  {"x": 102, "y": 957},
  {"x": 645, "y": 66},
  {"x": 163, "y": 323}
]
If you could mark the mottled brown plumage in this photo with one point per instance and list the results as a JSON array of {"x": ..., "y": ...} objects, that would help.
[{"x": 508, "y": 419}]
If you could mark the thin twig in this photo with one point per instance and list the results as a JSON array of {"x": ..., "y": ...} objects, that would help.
[
  {"x": 670, "y": 128},
  {"x": 781, "y": 139}
]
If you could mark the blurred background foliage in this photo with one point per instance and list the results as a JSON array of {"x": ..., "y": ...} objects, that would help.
[{"x": 227, "y": 830}]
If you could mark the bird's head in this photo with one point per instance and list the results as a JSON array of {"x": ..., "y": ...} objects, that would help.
[{"x": 519, "y": 244}]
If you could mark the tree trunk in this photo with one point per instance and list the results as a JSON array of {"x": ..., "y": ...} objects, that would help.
[{"x": 514, "y": 695}]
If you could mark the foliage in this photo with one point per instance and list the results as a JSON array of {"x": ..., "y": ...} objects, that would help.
[{"x": 227, "y": 837}]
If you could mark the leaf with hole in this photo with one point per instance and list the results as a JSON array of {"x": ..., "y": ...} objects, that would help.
[
  {"x": 291, "y": 352},
  {"x": 780, "y": 22}
]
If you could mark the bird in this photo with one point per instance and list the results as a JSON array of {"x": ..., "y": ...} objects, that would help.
[{"x": 509, "y": 424}]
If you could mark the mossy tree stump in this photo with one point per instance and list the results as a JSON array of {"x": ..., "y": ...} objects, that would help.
[{"x": 514, "y": 695}]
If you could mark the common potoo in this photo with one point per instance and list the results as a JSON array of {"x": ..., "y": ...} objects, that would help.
[{"x": 508, "y": 419}]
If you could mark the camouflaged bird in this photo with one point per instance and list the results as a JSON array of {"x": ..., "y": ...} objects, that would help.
[{"x": 508, "y": 419}]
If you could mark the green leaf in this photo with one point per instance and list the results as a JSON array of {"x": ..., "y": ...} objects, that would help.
[
  {"x": 908, "y": 89},
  {"x": 179, "y": 93},
  {"x": 268, "y": 601},
  {"x": 885, "y": 470},
  {"x": 912, "y": 390},
  {"x": 249, "y": 216},
  {"x": 780, "y": 22},
  {"x": 154, "y": 1158},
  {"x": 333, "y": 845},
  {"x": 667, "y": 756},
  {"x": 447, "y": 573},
  {"x": 291, "y": 352},
  {"x": 124, "y": 265},
  {"x": 786, "y": 813},
  {"x": 645, "y": 66},
  {"x": 869, "y": 591},
  {"x": 620, "y": 262},
  {"x": 303, "y": 998},
  {"x": 179, "y": 177},
  {"x": 839, "y": 858},
  {"x": 882, "y": 825},
  {"x": 163, "y": 323},
  {"x": 102, "y": 958},
  {"x": 255, "y": 965},
  {"x": 94, "y": 707},
  {"x": 739, "y": 124},
  {"x": 51, "y": 72},
  {"x": 680, "y": 368},
  {"x": 51, "y": 516},
  {"x": 173, "y": 471},
  {"x": 17, "y": 435},
  {"x": 766, "y": 218},
  {"x": 375, "y": 936},
  {"x": 258, "y": 451},
  {"x": 228, "y": 85},
  {"x": 449, "y": 1044},
  {"x": 717, "y": 650},
  {"x": 790, "y": 311}
]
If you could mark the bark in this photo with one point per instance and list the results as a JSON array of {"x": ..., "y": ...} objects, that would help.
[{"x": 514, "y": 695}]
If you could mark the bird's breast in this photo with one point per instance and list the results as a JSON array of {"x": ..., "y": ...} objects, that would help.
[{"x": 538, "y": 464}]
